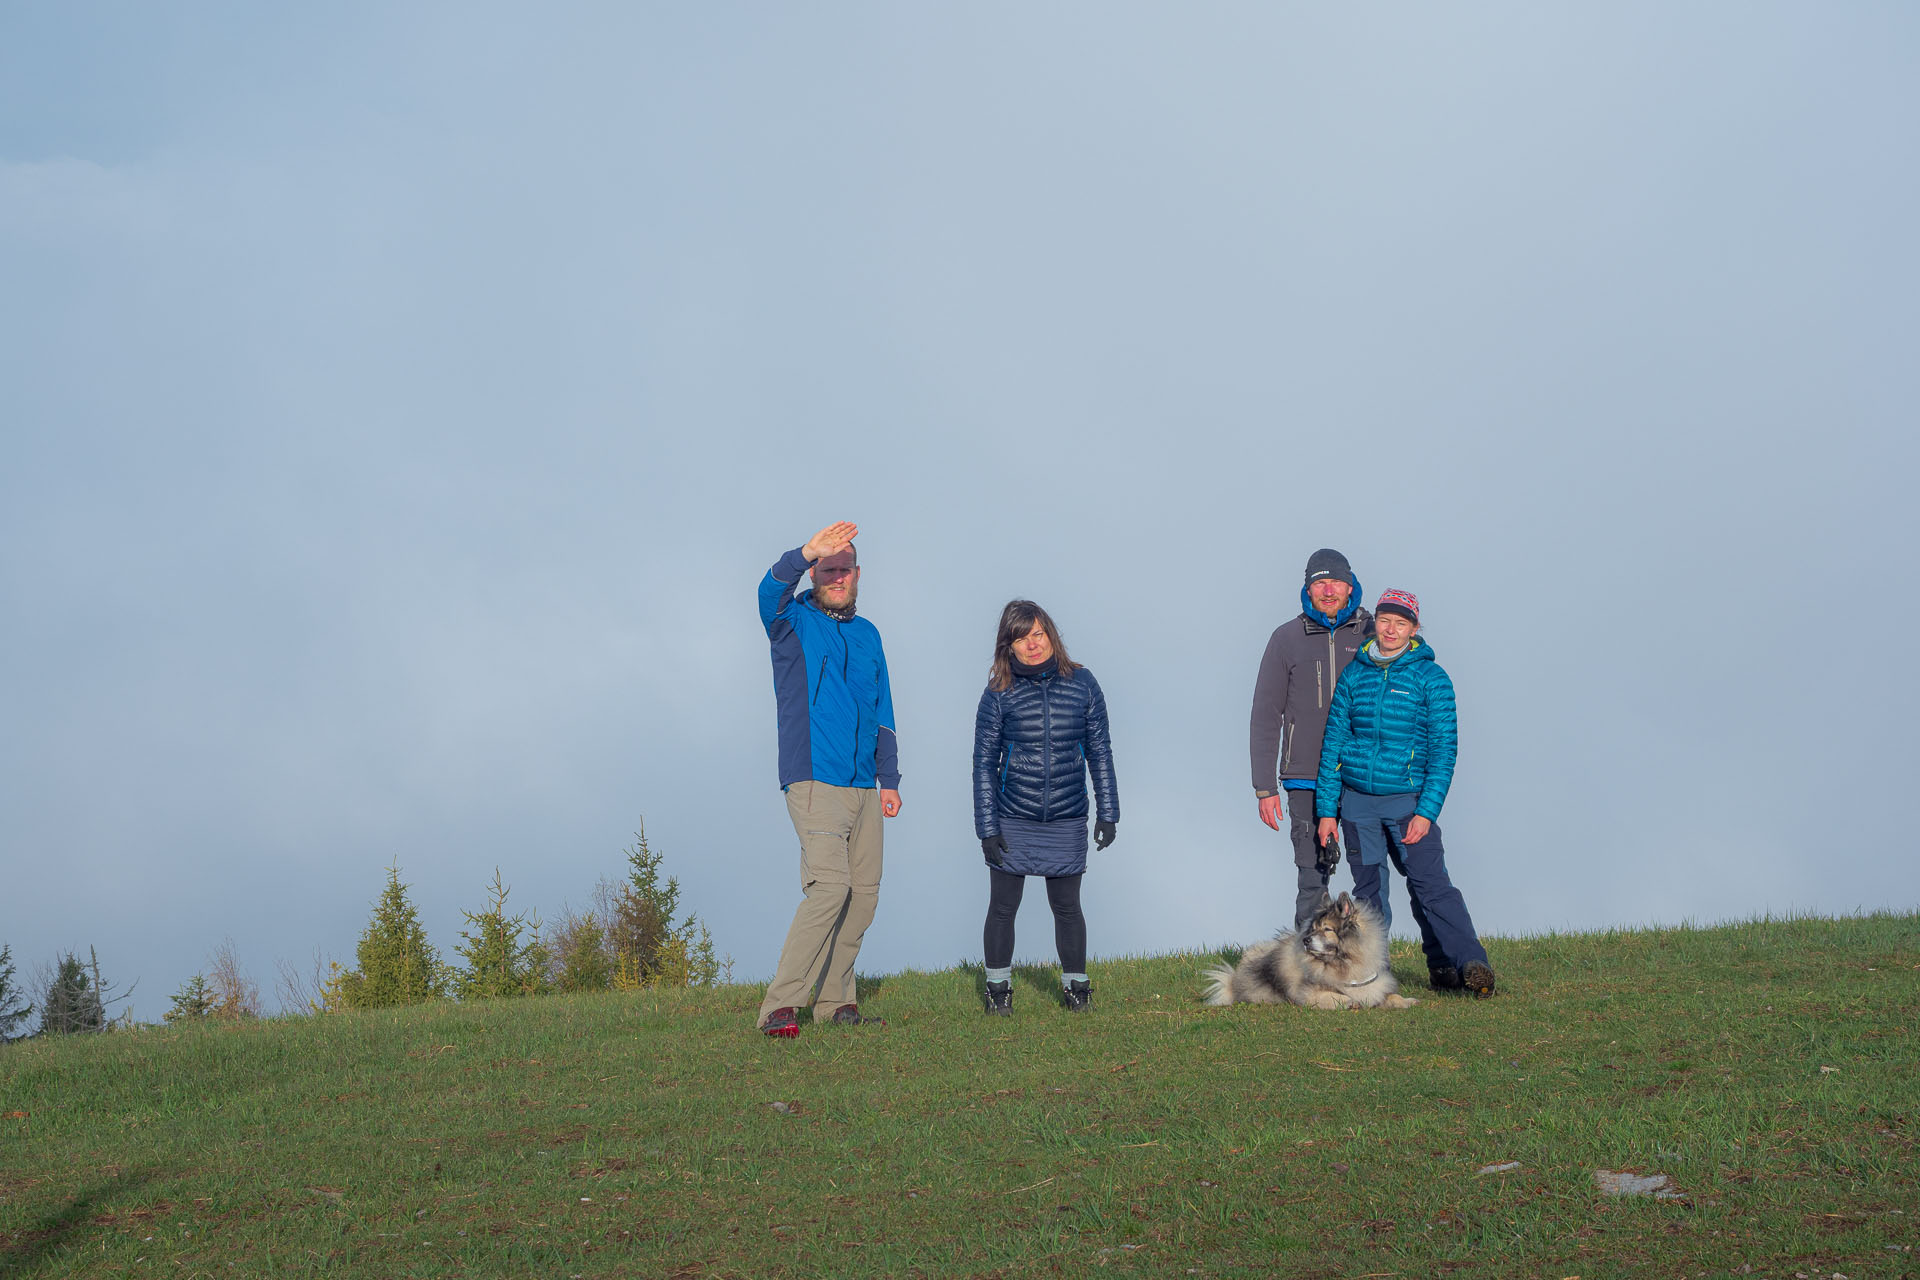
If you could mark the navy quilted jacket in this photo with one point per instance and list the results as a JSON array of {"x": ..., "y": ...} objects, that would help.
[
  {"x": 1390, "y": 731},
  {"x": 1033, "y": 746}
]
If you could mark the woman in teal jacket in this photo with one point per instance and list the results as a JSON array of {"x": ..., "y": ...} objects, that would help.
[{"x": 1385, "y": 766}]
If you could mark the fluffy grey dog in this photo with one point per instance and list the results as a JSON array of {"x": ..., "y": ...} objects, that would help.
[{"x": 1339, "y": 961}]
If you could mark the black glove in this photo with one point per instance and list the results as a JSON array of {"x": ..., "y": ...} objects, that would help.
[
  {"x": 995, "y": 849},
  {"x": 1102, "y": 833},
  {"x": 1327, "y": 861}
]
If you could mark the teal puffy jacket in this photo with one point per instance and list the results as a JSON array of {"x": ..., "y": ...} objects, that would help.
[{"x": 1391, "y": 730}]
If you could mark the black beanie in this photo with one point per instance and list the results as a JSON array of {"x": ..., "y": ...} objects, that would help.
[{"x": 1326, "y": 562}]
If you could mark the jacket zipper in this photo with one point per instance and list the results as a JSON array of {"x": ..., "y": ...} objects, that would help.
[
  {"x": 1380, "y": 711},
  {"x": 1046, "y": 751}
]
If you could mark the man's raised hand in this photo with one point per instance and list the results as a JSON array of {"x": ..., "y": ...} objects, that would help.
[{"x": 831, "y": 540}]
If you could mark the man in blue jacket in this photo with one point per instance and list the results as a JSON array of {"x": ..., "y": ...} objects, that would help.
[{"x": 839, "y": 765}]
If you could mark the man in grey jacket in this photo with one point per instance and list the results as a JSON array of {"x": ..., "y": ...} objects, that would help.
[{"x": 1304, "y": 657}]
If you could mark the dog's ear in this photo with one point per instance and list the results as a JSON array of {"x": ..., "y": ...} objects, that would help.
[
  {"x": 1326, "y": 901},
  {"x": 1346, "y": 904}
]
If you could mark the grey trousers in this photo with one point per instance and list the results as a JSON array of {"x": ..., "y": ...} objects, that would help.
[
  {"x": 839, "y": 830},
  {"x": 1311, "y": 882}
]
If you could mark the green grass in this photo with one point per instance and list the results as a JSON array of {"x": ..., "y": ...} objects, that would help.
[{"x": 1768, "y": 1068}]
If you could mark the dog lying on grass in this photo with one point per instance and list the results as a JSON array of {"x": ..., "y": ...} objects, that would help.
[{"x": 1339, "y": 961}]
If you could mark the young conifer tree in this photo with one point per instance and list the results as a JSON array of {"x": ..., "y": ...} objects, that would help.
[
  {"x": 12, "y": 1012},
  {"x": 193, "y": 1001},
  {"x": 580, "y": 961},
  {"x": 73, "y": 1004},
  {"x": 648, "y": 950},
  {"x": 505, "y": 957},
  {"x": 640, "y": 918},
  {"x": 397, "y": 965}
]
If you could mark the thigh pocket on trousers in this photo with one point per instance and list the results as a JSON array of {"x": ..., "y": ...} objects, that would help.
[{"x": 823, "y": 858}]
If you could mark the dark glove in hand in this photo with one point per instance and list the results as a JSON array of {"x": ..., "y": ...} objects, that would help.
[
  {"x": 995, "y": 849},
  {"x": 1328, "y": 860},
  {"x": 1103, "y": 833}
]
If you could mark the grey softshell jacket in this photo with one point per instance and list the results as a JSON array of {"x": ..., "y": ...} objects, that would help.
[{"x": 1291, "y": 697}]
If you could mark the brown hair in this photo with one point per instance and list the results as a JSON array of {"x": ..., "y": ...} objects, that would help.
[{"x": 1016, "y": 620}]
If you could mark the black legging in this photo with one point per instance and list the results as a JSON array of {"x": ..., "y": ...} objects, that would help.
[{"x": 1069, "y": 926}]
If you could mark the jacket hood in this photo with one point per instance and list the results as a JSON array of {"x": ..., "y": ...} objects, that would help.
[
  {"x": 1339, "y": 619},
  {"x": 1417, "y": 650}
]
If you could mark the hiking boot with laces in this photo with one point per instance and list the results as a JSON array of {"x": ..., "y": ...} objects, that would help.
[
  {"x": 783, "y": 1023},
  {"x": 848, "y": 1015},
  {"x": 1478, "y": 978},
  {"x": 1000, "y": 999},
  {"x": 1445, "y": 978},
  {"x": 1078, "y": 996}
]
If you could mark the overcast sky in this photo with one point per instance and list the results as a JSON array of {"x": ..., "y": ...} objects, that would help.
[{"x": 401, "y": 404}]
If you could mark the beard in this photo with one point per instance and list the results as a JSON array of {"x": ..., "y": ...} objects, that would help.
[{"x": 836, "y": 603}]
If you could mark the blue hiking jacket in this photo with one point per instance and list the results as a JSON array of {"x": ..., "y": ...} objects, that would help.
[
  {"x": 1034, "y": 745},
  {"x": 830, "y": 691},
  {"x": 1390, "y": 731}
]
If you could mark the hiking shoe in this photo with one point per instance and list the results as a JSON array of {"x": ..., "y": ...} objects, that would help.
[
  {"x": 1000, "y": 999},
  {"x": 850, "y": 1016},
  {"x": 1478, "y": 978},
  {"x": 1078, "y": 996},
  {"x": 781, "y": 1022},
  {"x": 1445, "y": 978}
]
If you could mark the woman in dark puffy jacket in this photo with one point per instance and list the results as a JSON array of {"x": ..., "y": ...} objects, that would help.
[{"x": 1041, "y": 728}]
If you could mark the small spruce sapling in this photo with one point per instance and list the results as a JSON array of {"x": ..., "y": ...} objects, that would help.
[
  {"x": 194, "y": 1001},
  {"x": 505, "y": 957},
  {"x": 78, "y": 997},
  {"x": 397, "y": 965},
  {"x": 12, "y": 1012}
]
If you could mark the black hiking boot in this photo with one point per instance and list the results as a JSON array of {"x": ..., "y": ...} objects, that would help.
[
  {"x": 1478, "y": 978},
  {"x": 1078, "y": 996},
  {"x": 1000, "y": 999},
  {"x": 1445, "y": 978}
]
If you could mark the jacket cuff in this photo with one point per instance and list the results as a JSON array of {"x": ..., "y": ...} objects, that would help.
[
  {"x": 1265, "y": 795},
  {"x": 887, "y": 781},
  {"x": 794, "y": 562}
]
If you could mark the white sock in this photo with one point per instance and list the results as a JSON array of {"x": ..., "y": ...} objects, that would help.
[
  {"x": 1000, "y": 975},
  {"x": 1068, "y": 979}
]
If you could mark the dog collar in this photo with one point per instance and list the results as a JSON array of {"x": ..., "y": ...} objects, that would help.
[{"x": 1364, "y": 981}]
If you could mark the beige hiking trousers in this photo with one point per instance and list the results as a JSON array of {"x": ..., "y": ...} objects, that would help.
[{"x": 839, "y": 830}]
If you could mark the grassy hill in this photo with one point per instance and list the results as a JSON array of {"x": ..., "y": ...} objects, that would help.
[{"x": 1767, "y": 1068}]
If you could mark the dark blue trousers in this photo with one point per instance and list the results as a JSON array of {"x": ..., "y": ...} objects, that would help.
[{"x": 1373, "y": 826}]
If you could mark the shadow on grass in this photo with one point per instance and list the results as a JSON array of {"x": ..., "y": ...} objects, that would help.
[
  {"x": 33, "y": 1246},
  {"x": 977, "y": 976},
  {"x": 1044, "y": 979},
  {"x": 866, "y": 990}
]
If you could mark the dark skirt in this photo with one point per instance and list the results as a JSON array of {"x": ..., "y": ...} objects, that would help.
[{"x": 1045, "y": 848}]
